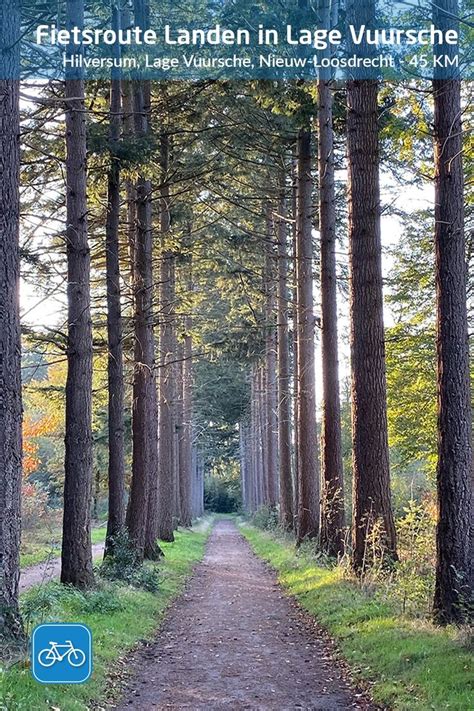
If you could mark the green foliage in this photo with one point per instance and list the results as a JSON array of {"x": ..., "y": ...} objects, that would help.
[
  {"x": 41, "y": 603},
  {"x": 222, "y": 492},
  {"x": 124, "y": 566},
  {"x": 266, "y": 518},
  {"x": 412, "y": 585},
  {"x": 411, "y": 349},
  {"x": 410, "y": 664}
]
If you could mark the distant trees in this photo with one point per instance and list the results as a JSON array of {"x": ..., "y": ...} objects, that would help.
[{"x": 10, "y": 344}]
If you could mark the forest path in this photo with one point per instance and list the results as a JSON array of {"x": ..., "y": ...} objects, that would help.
[
  {"x": 48, "y": 570},
  {"x": 233, "y": 640}
]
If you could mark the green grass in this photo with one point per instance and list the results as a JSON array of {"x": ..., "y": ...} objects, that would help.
[
  {"x": 410, "y": 664},
  {"x": 39, "y": 545},
  {"x": 118, "y": 616}
]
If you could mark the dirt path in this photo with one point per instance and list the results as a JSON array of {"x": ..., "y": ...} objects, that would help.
[
  {"x": 49, "y": 570},
  {"x": 235, "y": 641}
]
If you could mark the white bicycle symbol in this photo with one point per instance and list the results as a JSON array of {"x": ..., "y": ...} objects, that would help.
[{"x": 50, "y": 655}]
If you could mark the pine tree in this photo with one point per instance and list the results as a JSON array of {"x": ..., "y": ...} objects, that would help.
[
  {"x": 371, "y": 475},
  {"x": 76, "y": 556},
  {"x": 10, "y": 341},
  {"x": 332, "y": 499},
  {"x": 116, "y": 471},
  {"x": 308, "y": 467},
  {"x": 455, "y": 567}
]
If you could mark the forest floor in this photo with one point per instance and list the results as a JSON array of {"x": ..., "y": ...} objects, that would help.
[
  {"x": 234, "y": 640},
  {"x": 49, "y": 569}
]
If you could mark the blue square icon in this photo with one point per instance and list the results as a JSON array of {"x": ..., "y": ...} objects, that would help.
[{"x": 61, "y": 653}]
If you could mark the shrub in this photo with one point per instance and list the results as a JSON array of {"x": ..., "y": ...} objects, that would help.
[
  {"x": 266, "y": 518},
  {"x": 123, "y": 566},
  {"x": 41, "y": 602}
]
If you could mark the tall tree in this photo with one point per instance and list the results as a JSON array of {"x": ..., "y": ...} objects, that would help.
[
  {"x": 76, "y": 555},
  {"x": 332, "y": 499},
  {"x": 270, "y": 391},
  {"x": 284, "y": 397},
  {"x": 167, "y": 341},
  {"x": 116, "y": 471},
  {"x": 371, "y": 475},
  {"x": 186, "y": 439},
  {"x": 455, "y": 534},
  {"x": 308, "y": 466},
  {"x": 144, "y": 426},
  {"x": 10, "y": 342}
]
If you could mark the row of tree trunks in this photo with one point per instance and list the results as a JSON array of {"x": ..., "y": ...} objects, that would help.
[{"x": 10, "y": 341}]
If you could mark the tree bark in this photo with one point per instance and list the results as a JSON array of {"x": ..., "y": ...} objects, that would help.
[
  {"x": 116, "y": 470},
  {"x": 308, "y": 504},
  {"x": 141, "y": 512},
  {"x": 454, "y": 537},
  {"x": 166, "y": 421},
  {"x": 371, "y": 476},
  {"x": 270, "y": 392},
  {"x": 294, "y": 364},
  {"x": 332, "y": 504},
  {"x": 76, "y": 556},
  {"x": 186, "y": 442},
  {"x": 10, "y": 340},
  {"x": 284, "y": 397}
]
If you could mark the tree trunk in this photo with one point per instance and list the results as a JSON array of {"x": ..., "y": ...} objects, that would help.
[
  {"x": 271, "y": 424},
  {"x": 10, "y": 341},
  {"x": 454, "y": 538},
  {"x": 296, "y": 467},
  {"x": 371, "y": 476},
  {"x": 166, "y": 421},
  {"x": 141, "y": 512},
  {"x": 284, "y": 417},
  {"x": 308, "y": 504},
  {"x": 116, "y": 471},
  {"x": 187, "y": 426},
  {"x": 332, "y": 504},
  {"x": 76, "y": 556}
]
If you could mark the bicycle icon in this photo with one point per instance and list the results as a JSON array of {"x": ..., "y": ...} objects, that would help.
[
  {"x": 50, "y": 655},
  {"x": 61, "y": 653}
]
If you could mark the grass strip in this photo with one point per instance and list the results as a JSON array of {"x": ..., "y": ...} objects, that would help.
[
  {"x": 118, "y": 615},
  {"x": 409, "y": 663}
]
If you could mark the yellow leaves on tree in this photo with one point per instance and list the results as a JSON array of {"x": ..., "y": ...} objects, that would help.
[{"x": 33, "y": 428}]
